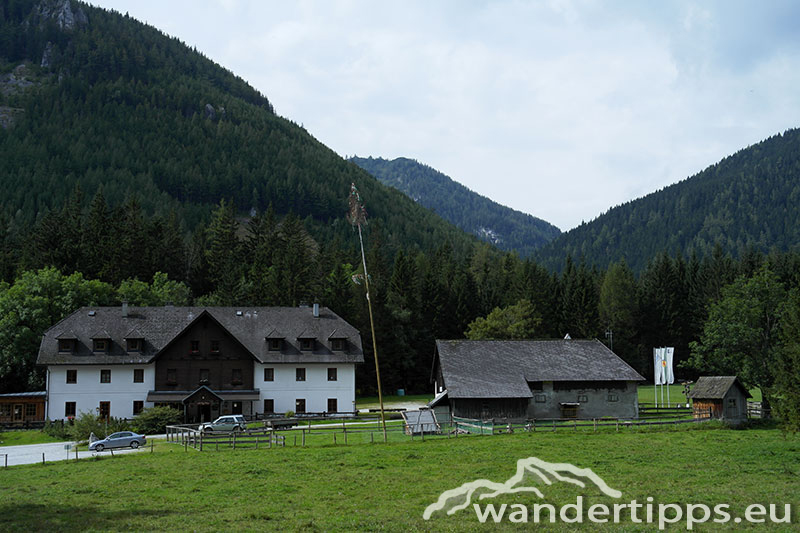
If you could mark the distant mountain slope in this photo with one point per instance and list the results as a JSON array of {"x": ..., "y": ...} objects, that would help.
[
  {"x": 506, "y": 228},
  {"x": 92, "y": 98},
  {"x": 749, "y": 199}
]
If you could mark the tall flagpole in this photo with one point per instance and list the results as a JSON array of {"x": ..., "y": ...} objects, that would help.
[{"x": 357, "y": 216}]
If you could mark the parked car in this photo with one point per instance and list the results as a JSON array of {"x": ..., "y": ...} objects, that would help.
[
  {"x": 120, "y": 439},
  {"x": 225, "y": 423}
]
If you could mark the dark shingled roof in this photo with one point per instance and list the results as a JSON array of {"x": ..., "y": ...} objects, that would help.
[
  {"x": 715, "y": 387},
  {"x": 502, "y": 369},
  {"x": 158, "y": 326}
]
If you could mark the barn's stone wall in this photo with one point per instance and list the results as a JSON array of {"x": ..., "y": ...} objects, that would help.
[{"x": 594, "y": 402}]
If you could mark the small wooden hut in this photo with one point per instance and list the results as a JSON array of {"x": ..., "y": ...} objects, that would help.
[
  {"x": 720, "y": 397},
  {"x": 22, "y": 408}
]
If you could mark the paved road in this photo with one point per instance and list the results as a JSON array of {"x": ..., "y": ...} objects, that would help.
[{"x": 54, "y": 451}]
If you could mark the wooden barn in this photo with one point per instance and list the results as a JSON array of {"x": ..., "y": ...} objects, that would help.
[
  {"x": 527, "y": 379},
  {"x": 22, "y": 408},
  {"x": 721, "y": 397}
]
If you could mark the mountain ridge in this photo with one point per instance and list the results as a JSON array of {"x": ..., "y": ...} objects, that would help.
[
  {"x": 506, "y": 228},
  {"x": 747, "y": 200}
]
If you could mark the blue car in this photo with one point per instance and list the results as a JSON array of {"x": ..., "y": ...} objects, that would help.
[{"x": 120, "y": 439}]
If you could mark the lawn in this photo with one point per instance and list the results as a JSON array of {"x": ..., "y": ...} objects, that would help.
[
  {"x": 30, "y": 436},
  {"x": 386, "y": 487}
]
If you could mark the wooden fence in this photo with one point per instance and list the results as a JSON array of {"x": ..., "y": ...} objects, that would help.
[{"x": 189, "y": 436}]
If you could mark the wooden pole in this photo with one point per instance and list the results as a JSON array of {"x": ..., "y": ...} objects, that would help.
[{"x": 372, "y": 328}]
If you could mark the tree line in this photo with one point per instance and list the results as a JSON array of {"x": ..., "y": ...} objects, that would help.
[{"x": 418, "y": 295}]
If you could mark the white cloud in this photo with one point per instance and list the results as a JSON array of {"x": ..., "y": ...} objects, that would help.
[{"x": 560, "y": 109}]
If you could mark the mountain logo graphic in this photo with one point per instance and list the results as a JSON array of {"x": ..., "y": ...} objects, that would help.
[{"x": 533, "y": 468}]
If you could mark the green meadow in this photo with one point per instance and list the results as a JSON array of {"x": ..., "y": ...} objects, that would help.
[{"x": 386, "y": 487}]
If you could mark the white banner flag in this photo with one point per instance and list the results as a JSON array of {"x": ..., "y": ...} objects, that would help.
[
  {"x": 658, "y": 366},
  {"x": 669, "y": 377}
]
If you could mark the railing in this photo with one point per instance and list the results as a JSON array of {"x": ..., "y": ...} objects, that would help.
[{"x": 190, "y": 436}]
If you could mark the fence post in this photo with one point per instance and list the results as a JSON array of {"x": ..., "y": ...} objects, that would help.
[
  {"x": 554, "y": 425},
  {"x": 201, "y": 442},
  {"x": 42, "y": 457},
  {"x": 344, "y": 430},
  {"x": 304, "y": 437}
]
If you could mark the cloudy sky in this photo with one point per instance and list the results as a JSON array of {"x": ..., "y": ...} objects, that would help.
[{"x": 561, "y": 109}]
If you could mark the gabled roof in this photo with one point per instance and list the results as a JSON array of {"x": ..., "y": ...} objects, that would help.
[
  {"x": 503, "y": 369},
  {"x": 716, "y": 387},
  {"x": 159, "y": 326}
]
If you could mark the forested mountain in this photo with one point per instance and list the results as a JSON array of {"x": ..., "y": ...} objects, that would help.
[
  {"x": 502, "y": 226},
  {"x": 750, "y": 200},
  {"x": 92, "y": 98}
]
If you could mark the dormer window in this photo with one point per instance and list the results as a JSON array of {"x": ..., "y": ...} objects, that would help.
[
  {"x": 133, "y": 345},
  {"x": 337, "y": 345},
  {"x": 306, "y": 344},
  {"x": 65, "y": 345},
  {"x": 99, "y": 345},
  {"x": 275, "y": 345}
]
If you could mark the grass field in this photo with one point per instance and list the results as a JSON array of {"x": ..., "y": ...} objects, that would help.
[
  {"x": 15, "y": 438},
  {"x": 386, "y": 487}
]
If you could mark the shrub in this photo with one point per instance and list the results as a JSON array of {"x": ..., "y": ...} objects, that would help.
[
  {"x": 156, "y": 419},
  {"x": 87, "y": 423},
  {"x": 289, "y": 414},
  {"x": 56, "y": 428}
]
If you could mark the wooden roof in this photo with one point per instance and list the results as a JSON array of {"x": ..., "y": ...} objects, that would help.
[
  {"x": 503, "y": 369},
  {"x": 716, "y": 387}
]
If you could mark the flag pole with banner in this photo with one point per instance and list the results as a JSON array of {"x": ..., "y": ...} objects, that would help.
[{"x": 357, "y": 216}]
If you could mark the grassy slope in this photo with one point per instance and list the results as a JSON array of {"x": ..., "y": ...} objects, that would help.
[{"x": 387, "y": 487}]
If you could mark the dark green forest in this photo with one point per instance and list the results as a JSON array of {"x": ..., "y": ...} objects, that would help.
[
  {"x": 507, "y": 229},
  {"x": 122, "y": 107},
  {"x": 749, "y": 200},
  {"x": 134, "y": 169}
]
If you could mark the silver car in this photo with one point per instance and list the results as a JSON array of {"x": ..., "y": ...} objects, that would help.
[
  {"x": 120, "y": 439},
  {"x": 225, "y": 423}
]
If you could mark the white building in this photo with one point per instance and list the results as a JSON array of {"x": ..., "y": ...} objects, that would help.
[{"x": 206, "y": 361}]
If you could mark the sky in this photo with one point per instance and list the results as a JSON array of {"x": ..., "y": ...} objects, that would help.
[{"x": 561, "y": 109}]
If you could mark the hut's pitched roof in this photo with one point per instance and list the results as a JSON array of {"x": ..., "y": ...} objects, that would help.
[
  {"x": 503, "y": 369},
  {"x": 716, "y": 387}
]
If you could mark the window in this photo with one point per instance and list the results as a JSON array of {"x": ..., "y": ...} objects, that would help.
[
  {"x": 138, "y": 375},
  {"x": 64, "y": 345},
  {"x": 194, "y": 346},
  {"x": 72, "y": 375},
  {"x": 204, "y": 374},
  {"x": 269, "y": 374},
  {"x": 269, "y": 406},
  {"x": 333, "y": 405},
  {"x": 540, "y": 398},
  {"x": 69, "y": 409},
  {"x": 332, "y": 374},
  {"x": 613, "y": 398},
  {"x": 300, "y": 405},
  {"x": 172, "y": 376},
  {"x": 731, "y": 402},
  {"x": 300, "y": 374},
  {"x": 133, "y": 345},
  {"x": 215, "y": 346},
  {"x": 275, "y": 345},
  {"x": 138, "y": 405},
  {"x": 30, "y": 410},
  {"x": 337, "y": 345},
  {"x": 5, "y": 410},
  {"x": 105, "y": 410},
  {"x": 583, "y": 398},
  {"x": 236, "y": 376},
  {"x": 306, "y": 344},
  {"x": 100, "y": 345},
  {"x": 105, "y": 375}
]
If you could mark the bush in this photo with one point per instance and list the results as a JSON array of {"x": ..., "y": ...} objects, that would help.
[
  {"x": 156, "y": 419},
  {"x": 56, "y": 428},
  {"x": 87, "y": 423}
]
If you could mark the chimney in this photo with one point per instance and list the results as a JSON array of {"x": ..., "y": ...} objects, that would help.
[
  {"x": 124, "y": 308},
  {"x": 316, "y": 310}
]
